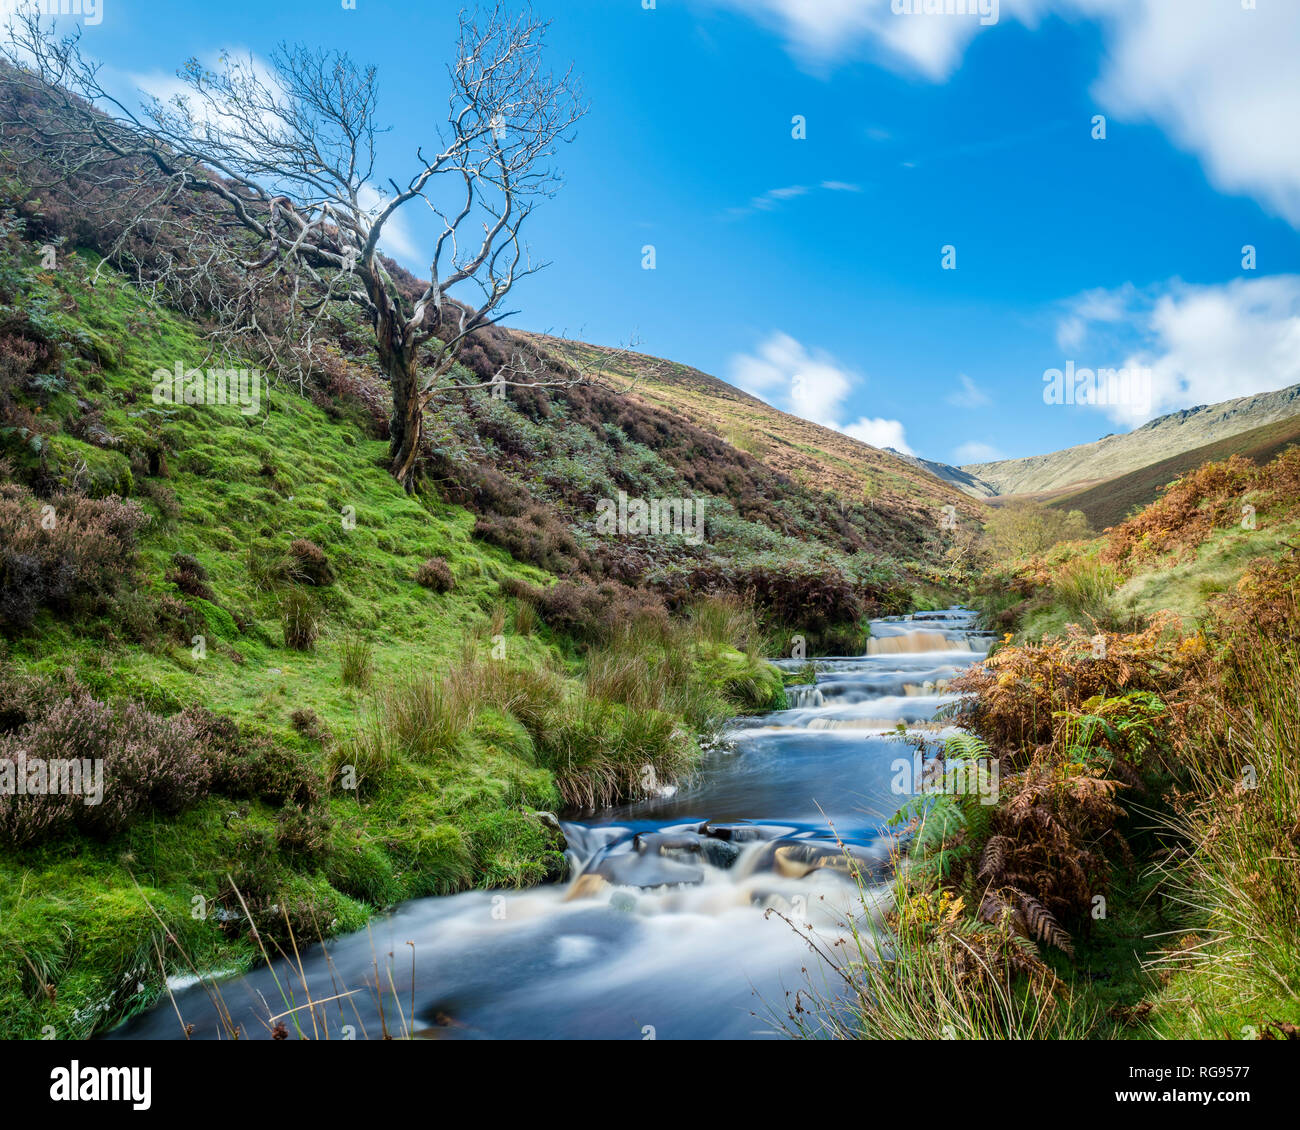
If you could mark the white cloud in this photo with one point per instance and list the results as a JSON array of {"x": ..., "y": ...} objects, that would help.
[
  {"x": 879, "y": 433},
  {"x": 1092, "y": 306},
  {"x": 1218, "y": 78},
  {"x": 976, "y": 452},
  {"x": 821, "y": 31},
  {"x": 1201, "y": 344},
  {"x": 970, "y": 396},
  {"x": 398, "y": 240},
  {"x": 170, "y": 90},
  {"x": 769, "y": 200},
  {"x": 1220, "y": 81},
  {"x": 811, "y": 385}
]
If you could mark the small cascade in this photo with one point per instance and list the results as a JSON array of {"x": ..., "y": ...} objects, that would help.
[
  {"x": 800, "y": 698},
  {"x": 914, "y": 642}
]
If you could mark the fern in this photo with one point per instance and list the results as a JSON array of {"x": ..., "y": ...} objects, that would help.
[{"x": 955, "y": 818}]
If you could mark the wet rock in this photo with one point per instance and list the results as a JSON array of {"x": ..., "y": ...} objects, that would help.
[
  {"x": 676, "y": 845},
  {"x": 553, "y": 822},
  {"x": 746, "y": 833},
  {"x": 585, "y": 887},
  {"x": 793, "y": 859},
  {"x": 719, "y": 853},
  {"x": 558, "y": 866},
  {"x": 632, "y": 869}
]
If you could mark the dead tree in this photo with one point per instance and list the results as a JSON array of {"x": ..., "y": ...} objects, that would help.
[{"x": 267, "y": 176}]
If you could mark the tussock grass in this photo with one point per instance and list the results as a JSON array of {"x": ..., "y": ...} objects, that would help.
[
  {"x": 1238, "y": 879},
  {"x": 625, "y": 730},
  {"x": 301, "y": 618},
  {"x": 1085, "y": 588},
  {"x": 356, "y": 661},
  {"x": 726, "y": 621}
]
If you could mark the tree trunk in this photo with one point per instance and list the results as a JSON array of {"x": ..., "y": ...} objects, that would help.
[
  {"x": 406, "y": 428},
  {"x": 397, "y": 358}
]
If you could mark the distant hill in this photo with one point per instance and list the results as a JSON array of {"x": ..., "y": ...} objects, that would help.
[
  {"x": 1163, "y": 438},
  {"x": 964, "y": 481},
  {"x": 1108, "y": 503}
]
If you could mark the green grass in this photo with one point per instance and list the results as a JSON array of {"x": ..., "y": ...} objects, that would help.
[
  {"x": 1238, "y": 884},
  {"x": 1215, "y": 567},
  {"x": 1179, "y": 585}
]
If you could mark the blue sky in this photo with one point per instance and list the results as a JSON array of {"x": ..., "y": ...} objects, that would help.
[{"x": 809, "y": 271}]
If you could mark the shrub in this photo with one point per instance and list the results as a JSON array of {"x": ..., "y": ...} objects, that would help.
[
  {"x": 190, "y": 577},
  {"x": 310, "y": 725},
  {"x": 176, "y": 619},
  {"x": 820, "y": 602},
  {"x": 1184, "y": 516},
  {"x": 537, "y": 537},
  {"x": 163, "y": 497},
  {"x": 70, "y": 556},
  {"x": 591, "y": 612},
  {"x": 149, "y": 764},
  {"x": 1024, "y": 693},
  {"x": 252, "y": 765},
  {"x": 435, "y": 574},
  {"x": 303, "y": 834},
  {"x": 1022, "y": 529}
]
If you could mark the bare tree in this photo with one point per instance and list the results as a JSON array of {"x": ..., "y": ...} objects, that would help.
[{"x": 266, "y": 176}]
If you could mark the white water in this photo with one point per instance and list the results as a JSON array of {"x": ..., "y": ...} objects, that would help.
[{"x": 661, "y": 928}]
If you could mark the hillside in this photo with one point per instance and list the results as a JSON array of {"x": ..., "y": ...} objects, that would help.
[
  {"x": 1110, "y": 502},
  {"x": 819, "y": 458},
  {"x": 1159, "y": 439}
]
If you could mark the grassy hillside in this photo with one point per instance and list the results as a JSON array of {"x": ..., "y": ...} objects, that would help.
[
  {"x": 814, "y": 456},
  {"x": 1159, "y": 439},
  {"x": 1136, "y": 876},
  {"x": 1111, "y": 501}
]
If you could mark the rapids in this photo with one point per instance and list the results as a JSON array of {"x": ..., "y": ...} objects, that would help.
[{"x": 660, "y": 930}]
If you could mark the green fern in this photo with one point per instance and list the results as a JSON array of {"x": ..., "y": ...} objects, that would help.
[{"x": 957, "y": 817}]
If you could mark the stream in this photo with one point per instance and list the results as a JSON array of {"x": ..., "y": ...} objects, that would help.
[{"x": 661, "y": 930}]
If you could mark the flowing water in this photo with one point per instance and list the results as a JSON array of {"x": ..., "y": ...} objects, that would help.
[{"x": 661, "y": 929}]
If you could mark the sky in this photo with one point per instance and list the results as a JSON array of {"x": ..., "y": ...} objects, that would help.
[{"x": 919, "y": 227}]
